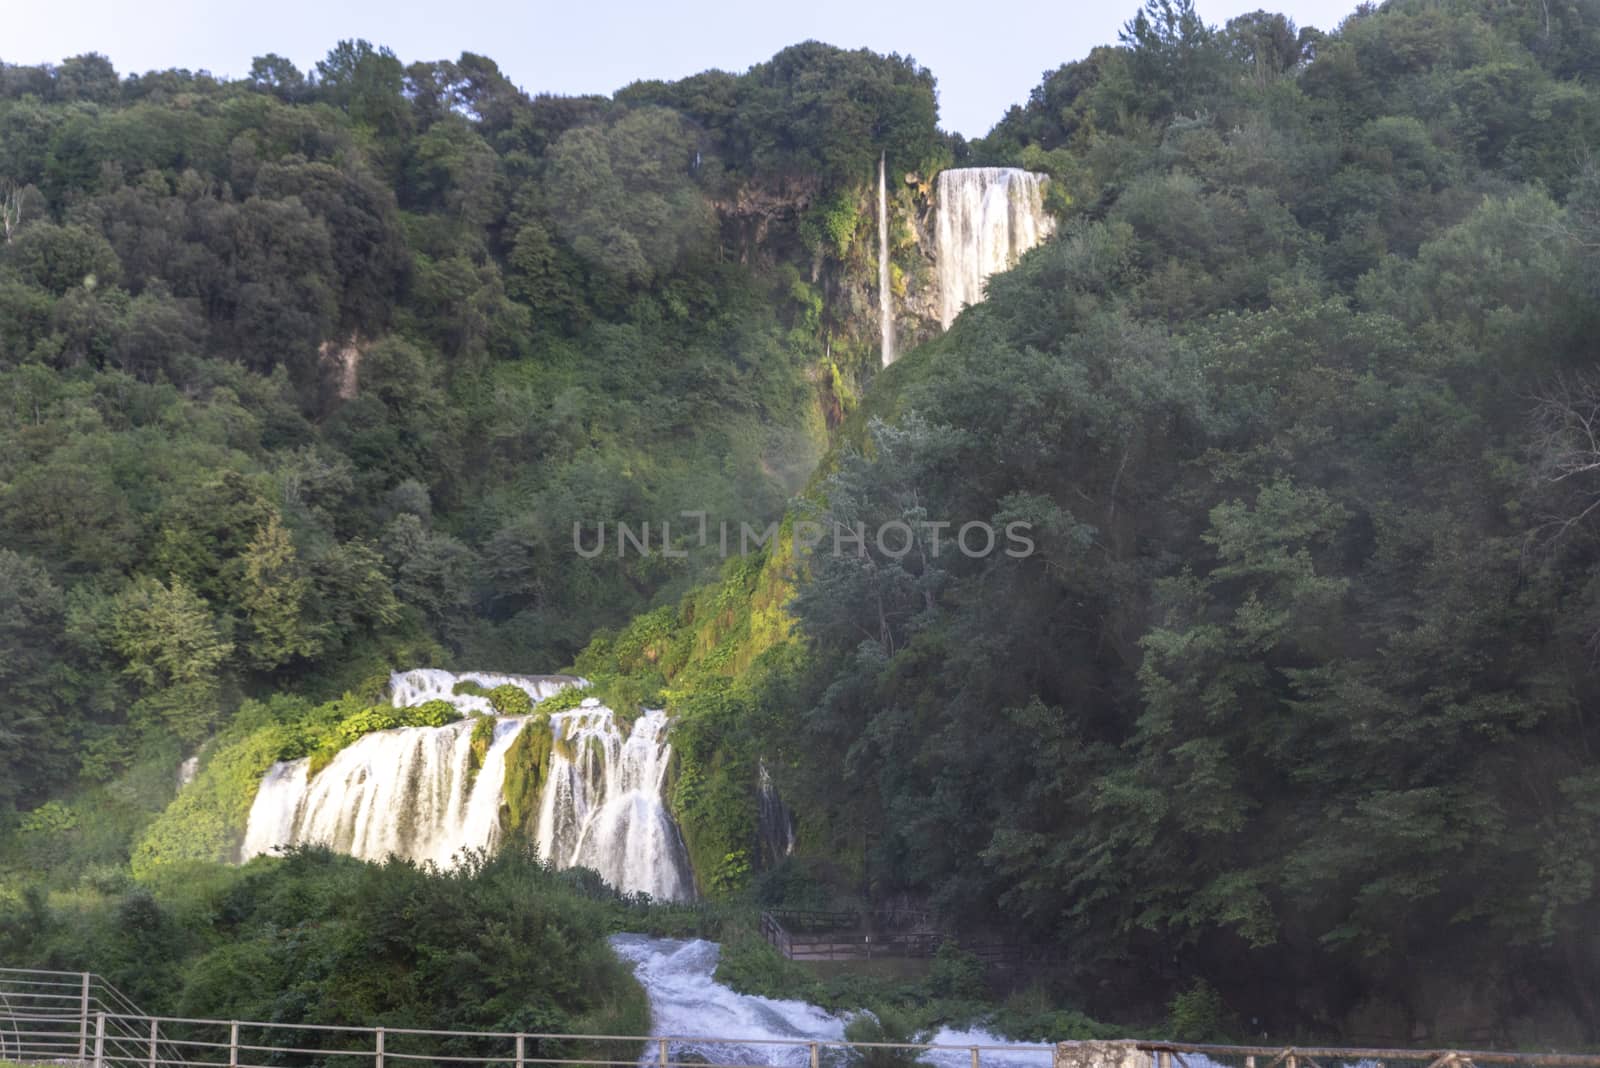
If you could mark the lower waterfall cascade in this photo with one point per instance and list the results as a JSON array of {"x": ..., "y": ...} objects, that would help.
[
  {"x": 410, "y": 791},
  {"x": 986, "y": 218}
]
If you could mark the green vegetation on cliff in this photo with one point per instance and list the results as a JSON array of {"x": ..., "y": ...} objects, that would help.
[{"x": 311, "y": 378}]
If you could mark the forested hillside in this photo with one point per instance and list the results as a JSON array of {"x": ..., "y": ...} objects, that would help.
[
  {"x": 311, "y": 376},
  {"x": 1297, "y": 695},
  {"x": 1293, "y": 708}
]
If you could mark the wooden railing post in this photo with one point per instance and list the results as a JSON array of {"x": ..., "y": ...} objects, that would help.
[
  {"x": 233, "y": 1044},
  {"x": 816, "y": 1056},
  {"x": 99, "y": 1040},
  {"x": 521, "y": 1050},
  {"x": 153, "y": 1034},
  {"x": 379, "y": 1058},
  {"x": 974, "y": 1057},
  {"x": 83, "y": 1021},
  {"x": 663, "y": 1054}
]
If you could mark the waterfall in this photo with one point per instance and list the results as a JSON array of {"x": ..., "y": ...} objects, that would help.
[
  {"x": 602, "y": 806},
  {"x": 411, "y": 792},
  {"x": 407, "y": 689},
  {"x": 885, "y": 297},
  {"x": 402, "y": 791},
  {"x": 775, "y": 823},
  {"x": 987, "y": 218}
]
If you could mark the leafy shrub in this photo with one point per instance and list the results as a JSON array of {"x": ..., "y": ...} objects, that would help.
[
  {"x": 564, "y": 700},
  {"x": 751, "y": 966},
  {"x": 1199, "y": 1015},
  {"x": 956, "y": 973},
  {"x": 885, "y": 1025},
  {"x": 364, "y": 941},
  {"x": 377, "y": 718},
  {"x": 510, "y": 700},
  {"x": 435, "y": 713}
]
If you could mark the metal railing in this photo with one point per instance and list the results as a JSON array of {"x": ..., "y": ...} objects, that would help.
[
  {"x": 1191, "y": 1055},
  {"x": 253, "y": 1044},
  {"x": 78, "y": 1018},
  {"x": 52, "y": 1016}
]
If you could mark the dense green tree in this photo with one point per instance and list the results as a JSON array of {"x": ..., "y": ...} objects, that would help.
[
  {"x": 629, "y": 203},
  {"x": 1174, "y": 56},
  {"x": 35, "y": 677},
  {"x": 274, "y": 74},
  {"x": 365, "y": 81},
  {"x": 272, "y": 593},
  {"x": 175, "y": 649}
]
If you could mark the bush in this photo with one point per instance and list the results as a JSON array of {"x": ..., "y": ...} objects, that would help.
[
  {"x": 314, "y": 937},
  {"x": 1199, "y": 1015},
  {"x": 563, "y": 700},
  {"x": 435, "y": 713},
  {"x": 884, "y": 1026},
  {"x": 366, "y": 722},
  {"x": 956, "y": 973},
  {"x": 509, "y": 700},
  {"x": 751, "y": 966}
]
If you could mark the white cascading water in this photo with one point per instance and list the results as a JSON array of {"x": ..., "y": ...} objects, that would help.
[
  {"x": 885, "y": 297},
  {"x": 409, "y": 791},
  {"x": 602, "y": 807},
  {"x": 987, "y": 218},
  {"x": 686, "y": 1000},
  {"x": 407, "y": 689},
  {"x": 403, "y": 791}
]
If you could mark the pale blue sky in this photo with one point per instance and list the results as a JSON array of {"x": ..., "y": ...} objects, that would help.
[{"x": 986, "y": 55}]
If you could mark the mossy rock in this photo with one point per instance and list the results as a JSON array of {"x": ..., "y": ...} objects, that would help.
[
  {"x": 468, "y": 688},
  {"x": 527, "y": 765},
  {"x": 482, "y": 740}
]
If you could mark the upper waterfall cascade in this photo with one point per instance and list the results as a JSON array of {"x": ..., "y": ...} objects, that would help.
[
  {"x": 411, "y": 791},
  {"x": 987, "y": 217}
]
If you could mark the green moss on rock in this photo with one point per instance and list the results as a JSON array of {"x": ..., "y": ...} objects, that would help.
[
  {"x": 527, "y": 765},
  {"x": 482, "y": 740}
]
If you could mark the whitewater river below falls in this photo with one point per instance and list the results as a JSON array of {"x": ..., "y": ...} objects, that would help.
[{"x": 685, "y": 1000}]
